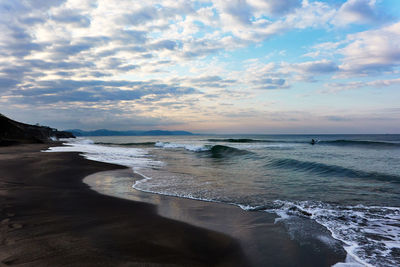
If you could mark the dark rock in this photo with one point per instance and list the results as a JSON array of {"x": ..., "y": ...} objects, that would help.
[{"x": 13, "y": 132}]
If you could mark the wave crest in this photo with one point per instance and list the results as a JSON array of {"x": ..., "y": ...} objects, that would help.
[
  {"x": 339, "y": 142},
  {"x": 332, "y": 170},
  {"x": 242, "y": 140},
  {"x": 220, "y": 151},
  {"x": 127, "y": 144},
  {"x": 214, "y": 151}
]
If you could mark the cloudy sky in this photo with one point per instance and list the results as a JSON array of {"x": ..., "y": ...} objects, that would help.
[{"x": 217, "y": 66}]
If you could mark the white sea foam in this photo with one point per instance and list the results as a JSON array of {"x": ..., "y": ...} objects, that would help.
[
  {"x": 190, "y": 147},
  {"x": 207, "y": 147},
  {"x": 167, "y": 188},
  {"x": 135, "y": 158},
  {"x": 129, "y": 157},
  {"x": 246, "y": 207},
  {"x": 267, "y": 146},
  {"x": 371, "y": 234}
]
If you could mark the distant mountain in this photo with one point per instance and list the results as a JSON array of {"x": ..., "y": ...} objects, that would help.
[
  {"x": 105, "y": 132},
  {"x": 14, "y": 132},
  {"x": 161, "y": 132}
]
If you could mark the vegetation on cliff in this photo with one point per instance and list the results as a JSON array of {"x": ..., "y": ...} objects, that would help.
[{"x": 13, "y": 132}]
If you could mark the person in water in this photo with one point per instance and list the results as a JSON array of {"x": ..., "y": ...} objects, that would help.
[{"x": 312, "y": 141}]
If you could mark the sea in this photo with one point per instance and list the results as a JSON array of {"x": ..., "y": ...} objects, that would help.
[{"x": 349, "y": 184}]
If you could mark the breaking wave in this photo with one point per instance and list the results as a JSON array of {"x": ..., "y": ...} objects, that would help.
[
  {"x": 371, "y": 235},
  {"x": 242, "y": 140},
  {"x": 215, "y": 151},
  {"x": 127, "y": 144}
]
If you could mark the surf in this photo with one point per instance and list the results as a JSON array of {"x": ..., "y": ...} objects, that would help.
[{"x": 326, "y": 170}]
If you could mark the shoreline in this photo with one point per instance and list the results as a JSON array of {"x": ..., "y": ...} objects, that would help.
[
  {"x": 49, "y": 217},
  {"x": 264, "y": 242}
]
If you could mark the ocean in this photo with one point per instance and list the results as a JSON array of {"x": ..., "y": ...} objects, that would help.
[{"x": 349, "y": 184}]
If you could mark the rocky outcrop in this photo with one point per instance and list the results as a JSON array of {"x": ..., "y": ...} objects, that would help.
[{"x": 13, "y": 132}]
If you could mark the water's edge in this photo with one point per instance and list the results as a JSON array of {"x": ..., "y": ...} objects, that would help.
[
  {"x": 367, "y": 232},
  {"x": 246, "y": 226}
]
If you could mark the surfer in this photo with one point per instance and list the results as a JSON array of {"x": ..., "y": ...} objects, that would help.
[{"x": 313, "y": 142}]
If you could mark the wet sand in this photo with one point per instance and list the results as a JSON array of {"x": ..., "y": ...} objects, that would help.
[
  {"x": 49, "y": 217},
  {"x": 264, "y": 242}
]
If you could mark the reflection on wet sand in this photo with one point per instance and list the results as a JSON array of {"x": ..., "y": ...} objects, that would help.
[{"x": 264, "y": 241}]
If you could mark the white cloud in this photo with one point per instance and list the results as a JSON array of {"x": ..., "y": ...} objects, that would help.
[
  {"x": 384, "y": 83},
  {"x": 337, "y": 87},
  {"x": 311, "y": 14},
  {"x": 356, "y": 11},
  {"x": 313, "y": 67},
  {"x": 111, "y": 43},
  {"x": 372, "y": 51},
  {"x": 274, "y": 7},
  {"x": 250, "y": 20}
]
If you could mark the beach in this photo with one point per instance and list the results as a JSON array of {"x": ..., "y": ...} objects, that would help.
[
  {"x": 294, "y": 203},
  {"x": 50, "y": 218},
  {"x": 200, "y": 133},
  {"x": 263, "y": 241}
]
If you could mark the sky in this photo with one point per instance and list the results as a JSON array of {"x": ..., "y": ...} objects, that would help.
[{"x": 219, "y": 66}]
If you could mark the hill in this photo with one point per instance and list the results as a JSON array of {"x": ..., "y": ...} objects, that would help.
[{"x": 13, "y": 132}]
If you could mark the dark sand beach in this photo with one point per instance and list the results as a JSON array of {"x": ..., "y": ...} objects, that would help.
[
  {"x": 49, "y": 217},
  {"x": 264, "y": 242}
]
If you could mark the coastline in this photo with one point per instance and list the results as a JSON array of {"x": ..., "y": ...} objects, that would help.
[
  {"x": 49, "y": 217},
  {"x": 263, "y": 241}
]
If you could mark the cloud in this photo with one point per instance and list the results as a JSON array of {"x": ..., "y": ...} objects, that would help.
[
  {"x": 257, "y": 20},
  {"x": 90, "y": 118},
  {"x": 16, "y": 18},
  {"x": 305, "y": 71},
  {"x": 270, "y": 83},
  {"x": 371, "y": 52},
  {"x": 337, "y": 118},
  {"x": 73, "y": 17},
  {"x": 66, "y": 50},
  {"x": 163, "y": 44},
  {"x": 384, "y": 83},
  {"x": 129, "y": 36},
  {"x": 258, "y": 75},
  {"x": 15, "y": 41},
  {"x": 7, "y": 83},
  {"x": 357, "y": 11},
  {"x": 14, "y": 7},
  {"x": 340, "y": 86},
  {"x": 64, "y": 91},
  {"x": 141, "y": 16},
  {"x": 314, "y": 67},
  {"x": 274, "y": 7},
  {"x": 208, "y": 81},
  {"x": 336, "y": 87},
  {"x": 152, "y": 54},
  {"x": 236, "y": 11},
  {"x": 40, "y": 65}
]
